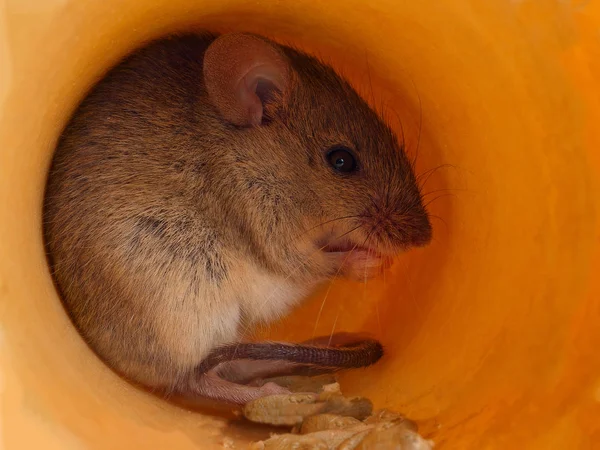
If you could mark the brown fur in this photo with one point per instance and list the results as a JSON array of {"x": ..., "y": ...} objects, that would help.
[{"x": 169, "y": 228}]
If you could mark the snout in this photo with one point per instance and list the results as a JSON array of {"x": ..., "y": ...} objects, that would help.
[
  {"x": 402, "y": 231},
  {"x": 417, "y": 229}
]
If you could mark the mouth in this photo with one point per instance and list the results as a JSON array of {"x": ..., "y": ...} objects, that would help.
[
  {"x": 357, "y": 261},
  {"x": 345, "y": 247}
]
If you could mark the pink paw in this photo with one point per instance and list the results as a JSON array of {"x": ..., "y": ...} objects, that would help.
[{"x": 271, "y": 388}]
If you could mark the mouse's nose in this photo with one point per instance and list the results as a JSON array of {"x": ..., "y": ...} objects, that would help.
[
  {"x": 420, "y": 232},
  {"x": 399, "y": 230},
  {"x": 413, "y": 229}
]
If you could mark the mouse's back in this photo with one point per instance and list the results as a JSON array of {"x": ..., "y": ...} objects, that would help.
[{"x": 132, "y": 231}]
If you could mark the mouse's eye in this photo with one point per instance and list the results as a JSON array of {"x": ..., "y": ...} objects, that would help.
[{"x": 341, "y": 159}]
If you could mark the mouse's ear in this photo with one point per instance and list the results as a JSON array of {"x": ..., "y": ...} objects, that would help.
[{"x": 241, "y": 73}]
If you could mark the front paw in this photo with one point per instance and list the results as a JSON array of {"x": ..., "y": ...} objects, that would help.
[
  {"x": 363, "y": 265},
  {"x": 270, "y": 388}
]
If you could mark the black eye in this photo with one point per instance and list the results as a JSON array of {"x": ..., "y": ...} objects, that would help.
[{"x": 341, "y": 159}]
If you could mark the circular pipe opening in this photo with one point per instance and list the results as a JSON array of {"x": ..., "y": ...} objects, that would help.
[{"x": 489, "y": 332}]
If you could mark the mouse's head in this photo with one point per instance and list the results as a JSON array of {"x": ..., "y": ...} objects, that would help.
[{"x": 329, "y": 184}]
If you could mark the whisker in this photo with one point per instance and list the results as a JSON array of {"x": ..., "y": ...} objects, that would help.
[
  {"x": 369, "y": 76},
  {"x": 327, "y": 222},
  {"x": 329, "y": 289},
  {"x": 388, "y": 194},
  {"x": 375, "y": 204},
  {"x": 423, "y": 178},
  {"x": 365, "y": 282},
  {"x": 323, "y": 304},
  {"x": 333, "y": 327},
  {"x": 433, "y": 169},
  {"x": 444, "y": 190},
  {"x": 298, "y": 267},
  {"x": 434, "y": 216},
  {"x": 331, "y": 284},
  {"x": 377, "y": 315},
  {"x": 414, "y": 162},
  {"x": 437, "y": 198},
  {"x": 401, "y": 127}
]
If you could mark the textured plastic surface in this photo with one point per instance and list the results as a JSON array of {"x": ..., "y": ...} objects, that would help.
[{"x": 492, "y": 332}]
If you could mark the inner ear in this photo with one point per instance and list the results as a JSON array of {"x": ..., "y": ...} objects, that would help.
[
  {"x": 268, "y": 94},
  {"x": 242, "y": 74}
]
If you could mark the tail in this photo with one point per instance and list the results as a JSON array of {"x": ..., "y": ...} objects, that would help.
[{"x": 351, "y": 355}]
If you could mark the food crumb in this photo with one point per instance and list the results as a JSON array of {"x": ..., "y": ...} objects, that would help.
[
  {"x": 324, "y": 419},
  {"x": 228, "y": 443}
]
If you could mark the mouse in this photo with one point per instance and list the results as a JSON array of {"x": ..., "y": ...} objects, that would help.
[{"x": 208, "y": 183}]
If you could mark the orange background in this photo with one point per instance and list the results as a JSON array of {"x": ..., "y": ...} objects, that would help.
[{"x": 492, "y": 333}]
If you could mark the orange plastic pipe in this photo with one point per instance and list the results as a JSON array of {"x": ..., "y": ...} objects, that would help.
[{"x": 491, "y": 332}]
